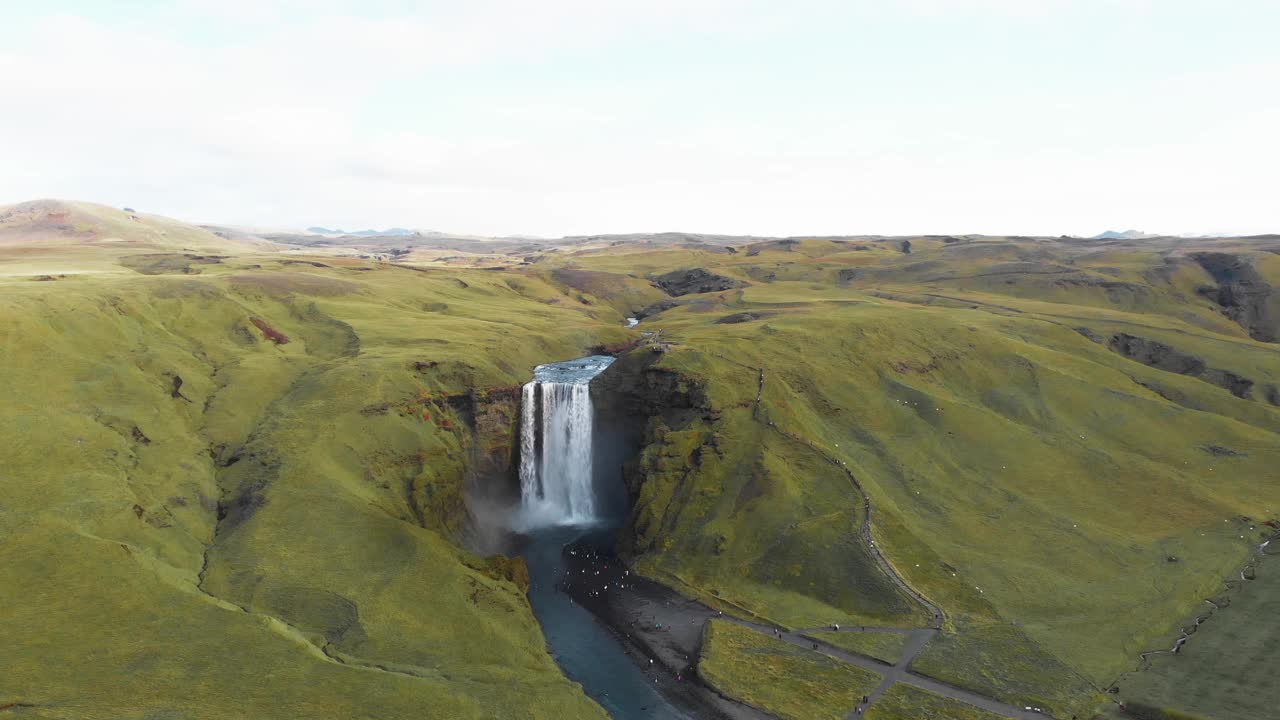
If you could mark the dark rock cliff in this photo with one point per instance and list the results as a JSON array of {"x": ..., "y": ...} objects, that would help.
[
  {"x": 1163, "y": 357},
  {"x": 694, "y": 280},
  {"x": 1243, "y": 293}
]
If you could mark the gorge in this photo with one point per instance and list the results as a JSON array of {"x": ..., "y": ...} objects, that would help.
[{"x": 569, "y": 500}]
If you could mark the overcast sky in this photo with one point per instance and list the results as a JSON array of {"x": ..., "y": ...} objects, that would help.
[{"x": 590, "y": 116}]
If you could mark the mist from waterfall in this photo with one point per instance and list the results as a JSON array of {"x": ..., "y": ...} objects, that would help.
[{"x": 556, "y": 438}]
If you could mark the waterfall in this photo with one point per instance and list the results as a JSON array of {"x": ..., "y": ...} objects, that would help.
[{"x": 556, "y": 442}]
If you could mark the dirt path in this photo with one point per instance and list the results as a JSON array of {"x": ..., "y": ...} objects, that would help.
[
  {"x": 891, "y": 674},
  {"x": 919, "y": 637},
  {"x": 935, "y": 612},
  {"x": 667, "y": 628}
]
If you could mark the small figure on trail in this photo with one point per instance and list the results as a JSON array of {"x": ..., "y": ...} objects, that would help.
[{"x": 835, "y": 626}]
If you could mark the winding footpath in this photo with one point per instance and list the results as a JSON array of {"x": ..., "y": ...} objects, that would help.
[
  {"x": 918, "y": 637},
  {"x": 865, "y": 530},
  {"x": 891, "y": 674}
]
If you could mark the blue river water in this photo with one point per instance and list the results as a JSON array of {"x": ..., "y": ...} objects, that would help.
[
  {"x": 587, "y": 651},
  {"x": 572, "y": 491}
]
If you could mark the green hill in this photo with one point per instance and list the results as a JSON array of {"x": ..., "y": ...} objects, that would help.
[
  {"x": 258, "y": 473},
  {"x": 1031, "y": 475},
  {"x": 230, "y": 463}
]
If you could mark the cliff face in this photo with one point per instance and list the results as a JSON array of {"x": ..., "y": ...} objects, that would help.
[
  {"x": 488, "y": 488},
  {"x": 1243, "y": 293},
  {"x": 638, "y": 394},
  {"x": 712, "y": 508}
]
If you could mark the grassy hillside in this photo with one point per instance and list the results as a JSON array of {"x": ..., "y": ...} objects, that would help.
[
  {"x": 1030, "y": 474},
  {"x": 1227, "y": 667},
  {"x": 1065, "y": 445},
  {"x": 88, "y": 227},
  {"x": 884, "y": 646},
  {"x": 903, "y": 702},
  {"x": 241, "y": 493}
]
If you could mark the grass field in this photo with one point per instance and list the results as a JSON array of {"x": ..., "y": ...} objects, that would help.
[
  {"x": 1226, "y": 670},
  {"x": 217, "y": 442},
  {"x": 782, "y": 679},
  {"x": 886, "y": 647},
  {"x": 903, "y": 702},
  {"x": 1012, "y": 462},
  {"x": 263, "y": 456}
]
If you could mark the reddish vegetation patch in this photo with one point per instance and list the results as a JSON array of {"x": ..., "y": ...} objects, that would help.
[
  {"x": 501, "y": 392},
  {"x": 269, "y": 332}
]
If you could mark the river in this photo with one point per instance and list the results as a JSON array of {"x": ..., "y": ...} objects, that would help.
[
  {"x": 572, "y": 492},
  {"x": 588, "y": 652}
]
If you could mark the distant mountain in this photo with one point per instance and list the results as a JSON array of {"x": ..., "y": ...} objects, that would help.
[
  {"x": 1125, "y": 235},
  {"x": 364, "y": 233}
]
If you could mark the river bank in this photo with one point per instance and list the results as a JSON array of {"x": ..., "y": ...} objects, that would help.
[
  {"x": 658, "y": 627},
  {"x": 586, "y": 650}
]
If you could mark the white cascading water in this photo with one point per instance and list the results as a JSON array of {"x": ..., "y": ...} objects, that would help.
[{"x": 556, "y": 442}]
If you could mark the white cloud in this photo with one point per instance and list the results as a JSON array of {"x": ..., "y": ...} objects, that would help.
[{"x": 287, "y": 112}]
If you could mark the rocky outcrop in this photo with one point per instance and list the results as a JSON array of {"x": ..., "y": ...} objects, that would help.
[
  {"x": 1243, "y": 294},
  {"x": 785, "y": 245},
  {"x": 1156, "y": 354},
  {"x": 694, "y": 280},
  {"x": 634, "y": 385},
  {"x": 658, "y": 307},
  {"x": 1163, "y": 357},
  {"x": 739, "y": 318},
  {"x": 637, "y": 392},
  {"x": 490, "y": 482},
  {"x": 1095, "y": 337},
  {"x": 848, "y": 275},
  {"x": 169, "y": 263}
]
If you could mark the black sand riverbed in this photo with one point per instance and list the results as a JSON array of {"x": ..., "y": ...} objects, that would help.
[{"x": 659, "y": 628}]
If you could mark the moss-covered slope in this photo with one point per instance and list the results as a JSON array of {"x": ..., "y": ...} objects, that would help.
[
  {"x": 242, "y": 494},
  {"x": 243, "y": 485},
  {"x": 1028, "y": 474}
]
